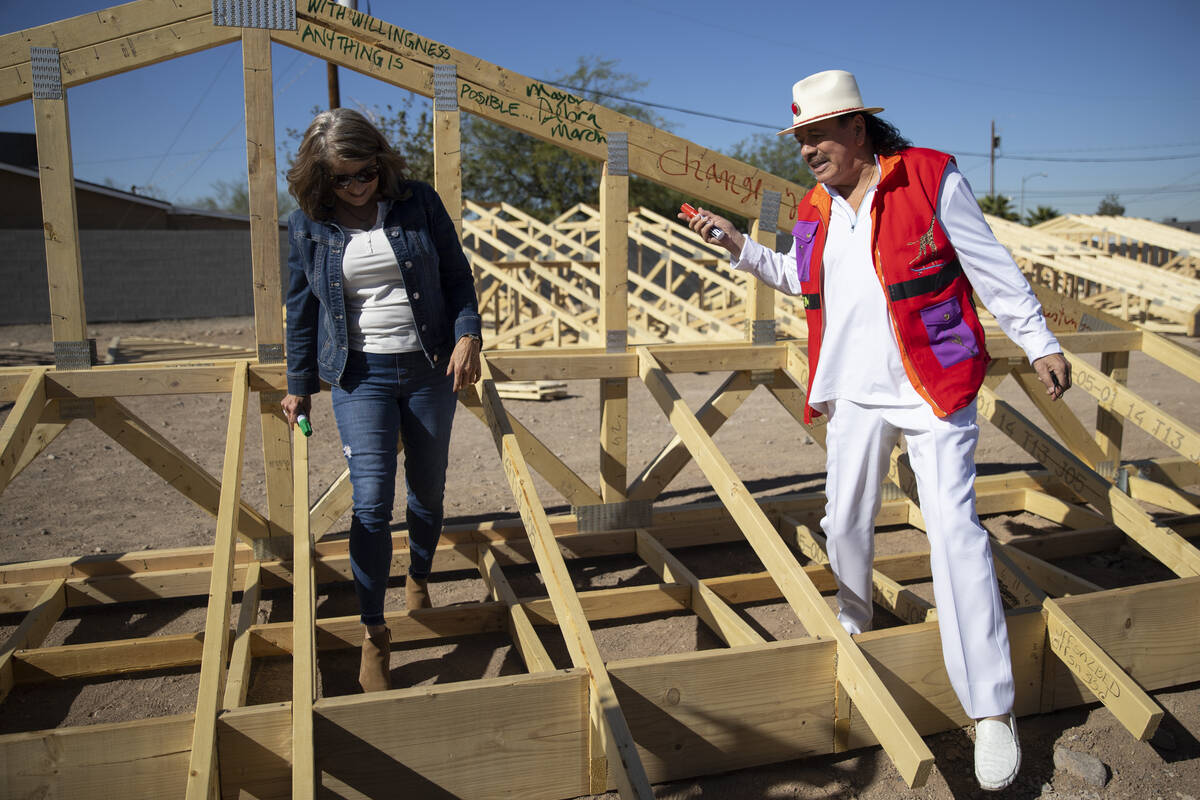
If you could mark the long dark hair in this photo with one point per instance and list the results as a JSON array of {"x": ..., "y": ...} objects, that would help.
[
  {"x": 346, "y": 134},
  {"x": 885, "y": 137}
]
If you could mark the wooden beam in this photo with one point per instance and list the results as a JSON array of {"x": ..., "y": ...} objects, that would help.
[
  {"x": 110, "y": 56},
  {"x": 705, "y": 603},
  {"x": 304, "y": 648},
  {"x": 60, "y": 222},
  {"x": 1127, "y": 701},
  {"x": 170, "y": 463},
  {"x": 614, "y": 319},
  {"x": 237, "y": 685},
  {"x": 1158, "y": 539},
  {"x": 674, "y": 456},
  {"x": 447, "y": 151},
  {"x": 625, "y": 768},
  {"x": 1119, "y": 399},
  {"x": 1068, "y": 427},
  {"x": 520, "y": 626},
  {"x": 202, "y": 762},
  {"x": 32, "y": 630},
  {"x": 541, "y": 458},
  {"x": 20, "y": 423},
  {"x": 910, "y": 755}
]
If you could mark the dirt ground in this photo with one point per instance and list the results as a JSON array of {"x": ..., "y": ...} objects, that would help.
[{"x": 85, "y": 495}]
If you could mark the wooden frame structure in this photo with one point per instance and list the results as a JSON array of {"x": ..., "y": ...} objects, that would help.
[{"x": 555, "y": 732}]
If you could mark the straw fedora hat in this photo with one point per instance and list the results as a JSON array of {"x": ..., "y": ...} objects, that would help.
[{"x": 824, "y": 95}]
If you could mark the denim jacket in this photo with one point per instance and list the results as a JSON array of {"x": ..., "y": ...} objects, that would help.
[{"x": 436, "y": 275}]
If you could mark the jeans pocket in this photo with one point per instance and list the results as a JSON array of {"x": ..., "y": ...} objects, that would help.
[{"x": 950, "y": 338}]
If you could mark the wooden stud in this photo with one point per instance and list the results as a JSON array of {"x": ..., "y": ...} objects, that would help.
[
  {"x": 264, "y": 197},
  {"x": 520, "y": 627},
  {"x": 202, "y": 762},
  {"x": 1127, "y": 701},
  {"x": 540, "y": 457},
  {"x": 60, "y": 220},
  {"x": 237, "y": 684},
  {"x": 719, "y": 617},
  {"x": 304, "y": 649},
  {"x": 674, "y": 456},
  {"x": 1159, "y": 540},
  {"x": 625, "y": 768},
  {"x": 172, "y": 464},
  {"x": 20, "y": 423},
  {"x": 614, "y": 322},
  {"x": 32, "y": 630}
]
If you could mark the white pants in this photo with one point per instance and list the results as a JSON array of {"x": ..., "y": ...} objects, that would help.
[{"x": 942, "y": 454}]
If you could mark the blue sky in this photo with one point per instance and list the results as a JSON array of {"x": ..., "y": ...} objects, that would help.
[{"x": 1102, "y": 97}]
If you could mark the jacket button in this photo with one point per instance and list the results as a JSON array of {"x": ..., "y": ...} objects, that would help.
[
  {"x": 339, "y": 316},
  {"x": 424, "y": 327},
  {"x": 407, "y": 263},
  {"x": 945, "y": 316},
  {"x": 395, "y": 234},
  {"x": 435, "y": 356},
  {"x": 416, "y": 295}
]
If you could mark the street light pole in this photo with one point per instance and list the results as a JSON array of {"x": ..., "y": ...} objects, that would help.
[{"x": 1021, "y": 217}]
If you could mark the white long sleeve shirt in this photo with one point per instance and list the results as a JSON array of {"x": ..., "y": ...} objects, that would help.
[{"x": 860, "y": 359}]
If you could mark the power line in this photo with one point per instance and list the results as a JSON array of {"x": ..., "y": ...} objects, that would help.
[{"x": 1012, "y": 157}]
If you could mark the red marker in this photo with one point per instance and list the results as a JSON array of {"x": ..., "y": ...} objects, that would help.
[{"x": 716, "y": 233}]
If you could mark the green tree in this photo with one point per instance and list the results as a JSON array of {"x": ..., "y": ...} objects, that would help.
[
  {"x": 1111, "y": 206},
  {"x": 998, "y": 205},
  {"x": 778, "y": 155},
  {"x": 543, "y": 179},
  {"x": 233, "y": 197},
  {"x": 1041, "y": 214}
]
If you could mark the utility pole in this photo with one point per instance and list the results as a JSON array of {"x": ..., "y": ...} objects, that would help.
[
  {"x": 335, "y": 93},
  {"x": 995, "y": 142}
]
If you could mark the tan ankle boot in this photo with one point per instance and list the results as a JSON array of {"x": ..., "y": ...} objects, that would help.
[
  {"x": 416, "y": 593},
  {"x": 374, "y": 673}
]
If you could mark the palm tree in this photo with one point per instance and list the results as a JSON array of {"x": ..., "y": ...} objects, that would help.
[
  {"x": 1041, "y": 214},
  {"x": 998, "y": 206}
]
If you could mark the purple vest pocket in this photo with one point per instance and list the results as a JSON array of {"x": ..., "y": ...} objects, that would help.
[
  {"x": 804, "y": 232},
  {"x": 950, "y": 338}
]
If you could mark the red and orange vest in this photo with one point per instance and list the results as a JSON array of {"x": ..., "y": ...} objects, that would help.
[{"x": 928, "y": 296}]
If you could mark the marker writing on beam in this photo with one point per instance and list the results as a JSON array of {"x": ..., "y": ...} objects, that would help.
[
  {"x": 716, "y": 233},
  {"x": 304, "y": 425}
]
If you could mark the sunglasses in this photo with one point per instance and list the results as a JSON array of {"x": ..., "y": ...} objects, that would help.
[{"x": 364, "y": 176}]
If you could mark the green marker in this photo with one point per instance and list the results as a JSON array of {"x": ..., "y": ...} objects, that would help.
[{"x": 305, "y": 425}]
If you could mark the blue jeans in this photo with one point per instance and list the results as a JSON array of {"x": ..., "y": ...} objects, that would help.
[{"x": 384, "y": 397}]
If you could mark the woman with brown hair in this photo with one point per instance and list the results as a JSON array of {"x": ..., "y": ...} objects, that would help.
[{"x": 381, "y": 305}]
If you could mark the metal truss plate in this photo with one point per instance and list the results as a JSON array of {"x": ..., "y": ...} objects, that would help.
[
  {"x": 762, "y": 331},
  {"x": 275, "y": 547},
  {"x": 618, "y": 152},
  {"x": 276, "y": 15},
  {"x": 75, "y": 355},
  {"x": 270, "y": 354},
  {"x": 1089, "y": 323},
  {"x": 614, "y": 516},
  {"x": 616, "y": 341},
  {"x": 768, "y": 217},
  {"x": 890, "y": 491},
  {"x": 47, "y": 73},
  {"x": 445, "y": 87},
  {"x": 77, "y": 408}
]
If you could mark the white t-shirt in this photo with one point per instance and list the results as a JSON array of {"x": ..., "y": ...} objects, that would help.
[
  {"x": 860, "y": 359},
  {"x": 379, "y": 316}
]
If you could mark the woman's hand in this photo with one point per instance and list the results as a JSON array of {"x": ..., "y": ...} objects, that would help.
[
  {"x": 294, "y": 405},
  {"x": 464, "y": 362},
  {"x": 704, "y": 222}
]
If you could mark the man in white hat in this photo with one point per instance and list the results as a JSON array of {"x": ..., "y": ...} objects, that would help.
[{"x": 888, "y": 249}]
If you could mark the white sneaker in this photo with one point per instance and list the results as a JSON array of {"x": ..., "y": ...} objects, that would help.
[{"x": 997, "y": 753}]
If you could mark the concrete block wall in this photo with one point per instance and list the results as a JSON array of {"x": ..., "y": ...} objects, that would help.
[{"x": 136, "y": 275}]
